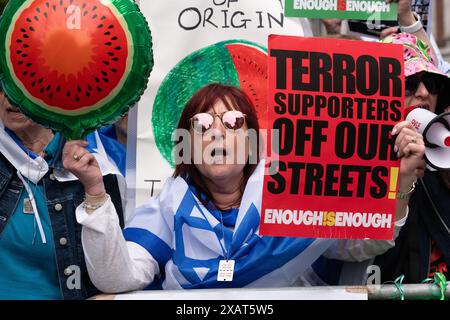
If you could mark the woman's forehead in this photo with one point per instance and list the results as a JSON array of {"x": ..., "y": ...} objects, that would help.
[{"x": 222, "y": 105}]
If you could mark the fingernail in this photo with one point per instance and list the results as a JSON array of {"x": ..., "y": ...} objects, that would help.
[
  {"x": 398, "y": 154},
  {"x": 394, "y": 131},
  {"x": 395, "y": 149}
]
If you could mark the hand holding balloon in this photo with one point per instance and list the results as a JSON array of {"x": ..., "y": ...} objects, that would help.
[{"x": 84, "y": 166}]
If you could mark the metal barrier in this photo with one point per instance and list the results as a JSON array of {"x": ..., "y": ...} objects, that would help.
[
  {"x": 372, "y": 292},
  {"x": 410, "y": 292}
]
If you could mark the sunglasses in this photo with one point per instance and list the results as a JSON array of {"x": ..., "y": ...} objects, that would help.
[
  {"x": 232, "y": 120},
  {"x": 431, "y": 82}
]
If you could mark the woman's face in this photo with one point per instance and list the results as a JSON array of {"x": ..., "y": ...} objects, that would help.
[
  {"x": 421, "y": 97},
  {"x": 12, "y": 118},
  {"x": 223, "y": 153}
]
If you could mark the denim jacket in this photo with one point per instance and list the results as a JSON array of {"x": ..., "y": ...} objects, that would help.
[{"x": 62, "y": 200}]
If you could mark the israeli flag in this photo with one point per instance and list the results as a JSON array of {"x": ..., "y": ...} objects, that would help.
[{"x": 188, "y": 240}]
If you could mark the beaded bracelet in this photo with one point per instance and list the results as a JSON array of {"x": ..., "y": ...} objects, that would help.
[{"x": 95, "y": 206}]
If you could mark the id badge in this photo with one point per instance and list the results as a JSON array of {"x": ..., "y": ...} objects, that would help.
[
  {"x": 226, "y": 270},
  {"x": 27, "y": 206}
]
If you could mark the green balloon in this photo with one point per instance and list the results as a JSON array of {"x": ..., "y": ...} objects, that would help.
[{"x": 2, "y": 5}]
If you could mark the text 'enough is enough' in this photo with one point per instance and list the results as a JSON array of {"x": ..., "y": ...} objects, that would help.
[
  {"x": 348, "y": 5},
  {"x": 328, "y": 218}
]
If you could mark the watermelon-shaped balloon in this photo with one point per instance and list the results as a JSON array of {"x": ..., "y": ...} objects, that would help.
[
  {"x": 238, "y": 63},
  {"x": 74, "y": 65}
]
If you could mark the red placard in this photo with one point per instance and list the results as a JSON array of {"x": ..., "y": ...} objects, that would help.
[{"x": 333, "y": 170}]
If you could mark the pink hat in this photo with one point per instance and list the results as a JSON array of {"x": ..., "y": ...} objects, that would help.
[{"x": 418, "y": 57}]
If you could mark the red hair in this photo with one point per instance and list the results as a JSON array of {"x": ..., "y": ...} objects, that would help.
[{"x": 204, "y": 100}]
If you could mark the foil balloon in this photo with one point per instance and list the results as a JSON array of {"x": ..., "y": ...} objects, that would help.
[
  {"x": 2, "y": 5},
  {"x": 238, "y": 63},
  {"x": 74, "y": 65}
]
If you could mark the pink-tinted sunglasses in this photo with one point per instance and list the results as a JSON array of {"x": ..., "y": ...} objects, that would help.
[{"x": 232, "y": 120}]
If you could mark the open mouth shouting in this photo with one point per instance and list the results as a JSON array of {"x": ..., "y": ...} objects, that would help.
[
  {"x": 219, "y": 152},
  {"x": 217, "y": 155}
]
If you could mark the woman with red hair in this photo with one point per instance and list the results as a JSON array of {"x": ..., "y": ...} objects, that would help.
[{"x": 202, "y": 230}]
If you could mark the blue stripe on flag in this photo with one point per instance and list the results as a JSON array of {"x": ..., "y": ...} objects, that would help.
[
  {"x": 154, "y": 245},
  {"x": 92, "y": 146}
]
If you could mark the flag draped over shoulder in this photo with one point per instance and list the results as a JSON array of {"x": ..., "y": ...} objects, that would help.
[{"x": 188, "y": 241}]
